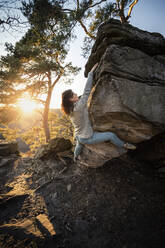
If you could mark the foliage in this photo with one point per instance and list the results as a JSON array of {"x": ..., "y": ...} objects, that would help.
[
  {"x": 9, "y": 134},
  {"x": 60, "y": 126},
  {"x": 89, "y": 14},
  {"x": 100, "y": 15},
  {"x": 8, "y": 114}
]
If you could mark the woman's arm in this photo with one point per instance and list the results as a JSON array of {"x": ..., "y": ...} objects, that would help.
[
  {"x": 84, "y": 98},
  {"x": 88, "y": 85}
]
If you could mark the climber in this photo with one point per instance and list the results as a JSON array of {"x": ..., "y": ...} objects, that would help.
[{"x": 76, "y": 108}]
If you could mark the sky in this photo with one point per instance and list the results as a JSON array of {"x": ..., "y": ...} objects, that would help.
[{"x": 147, "y": 15}]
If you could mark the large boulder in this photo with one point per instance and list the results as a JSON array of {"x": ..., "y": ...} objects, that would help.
[
  {"x": 8, "y": 148},
  {"x": 53, "y": 148},
  {"x": 128, "y": 95}
]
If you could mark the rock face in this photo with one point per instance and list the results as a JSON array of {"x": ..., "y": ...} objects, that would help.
[
  {"x": 113, "y": 32},
  {"x": 128, "y": 96}
]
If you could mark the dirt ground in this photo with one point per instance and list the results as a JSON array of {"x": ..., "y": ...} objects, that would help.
[{"x": 57, "y": 204}]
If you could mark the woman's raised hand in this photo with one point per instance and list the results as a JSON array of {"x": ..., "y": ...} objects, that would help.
[{"x": 94, "y": 67}]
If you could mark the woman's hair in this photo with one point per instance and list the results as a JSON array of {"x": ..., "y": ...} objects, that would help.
[{"x": 67, "y": 105}]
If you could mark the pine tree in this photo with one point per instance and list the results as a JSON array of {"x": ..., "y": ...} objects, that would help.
[
  {"x": 37, "y": 63},
  {"x": 88, "y": 14}
]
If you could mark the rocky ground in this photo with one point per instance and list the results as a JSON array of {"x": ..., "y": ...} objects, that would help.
[{"x": 55, "y": 203}]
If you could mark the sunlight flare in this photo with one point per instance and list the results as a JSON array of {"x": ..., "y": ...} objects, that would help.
[{"x": 27, "y": 105}]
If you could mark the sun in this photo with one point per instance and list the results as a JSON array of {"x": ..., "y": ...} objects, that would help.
[{"x": 27, "y": 105}]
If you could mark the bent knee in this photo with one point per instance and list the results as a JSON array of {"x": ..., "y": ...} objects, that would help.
[{"x": 112, "y": 135}]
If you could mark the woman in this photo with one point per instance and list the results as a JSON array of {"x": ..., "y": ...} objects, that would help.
[{"x": 76, "y": 108}]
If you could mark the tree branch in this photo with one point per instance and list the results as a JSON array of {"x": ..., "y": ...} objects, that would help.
[
  {"x": 40, "y": 100},
  {"x": 78, "y": 4},
  {"x": 56, "y": 80},
  {"x": 130, "y": 9},
  {"x": 121, "y": 11},
  {"x": 117, "y": 3},
  {"x": 91, "y": 6},
  {"x": 49, "y": 78},
  {"x": 86, "y": 31}
]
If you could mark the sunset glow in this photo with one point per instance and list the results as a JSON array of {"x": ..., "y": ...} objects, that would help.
[{"x": 27, "y": 105}]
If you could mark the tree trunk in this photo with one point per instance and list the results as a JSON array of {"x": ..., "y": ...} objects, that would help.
[
  {"x": 121, "y": 12},
  {"x": 45, "y": 115}
]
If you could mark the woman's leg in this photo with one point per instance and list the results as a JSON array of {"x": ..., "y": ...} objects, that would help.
[
  {"x": 77, "y": 150},
  {"x": 103, "y": 136}
]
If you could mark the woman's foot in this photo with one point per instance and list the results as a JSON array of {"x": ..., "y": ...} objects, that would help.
[{"x": 129, "y": 146}]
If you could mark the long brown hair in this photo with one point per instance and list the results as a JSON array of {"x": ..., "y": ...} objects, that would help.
[{"x": 66, "y": 105}]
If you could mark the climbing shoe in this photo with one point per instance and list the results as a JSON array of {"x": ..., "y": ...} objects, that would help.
[{"x": 129, "y": 146}]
